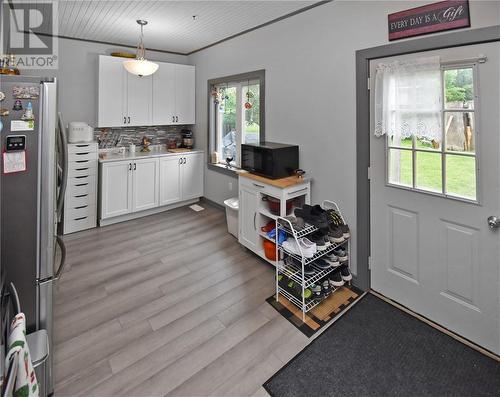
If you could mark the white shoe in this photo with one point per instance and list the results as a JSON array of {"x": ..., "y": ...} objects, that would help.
[{"x": 308, "y": 247}]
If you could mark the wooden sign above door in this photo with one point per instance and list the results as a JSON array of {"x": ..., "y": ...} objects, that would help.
[{"x": 431, "y": 18}]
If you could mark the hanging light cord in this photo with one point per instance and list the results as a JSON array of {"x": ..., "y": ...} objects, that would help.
[{"x": 141, "y": 51}]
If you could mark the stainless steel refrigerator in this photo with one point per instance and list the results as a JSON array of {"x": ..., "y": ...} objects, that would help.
[{"x": 33, "y": 175}]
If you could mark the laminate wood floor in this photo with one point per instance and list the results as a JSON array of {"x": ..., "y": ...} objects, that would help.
[{"x": 168, "y": 304}]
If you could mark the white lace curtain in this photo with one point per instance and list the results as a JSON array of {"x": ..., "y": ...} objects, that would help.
[{"x": 408, "y": 99}]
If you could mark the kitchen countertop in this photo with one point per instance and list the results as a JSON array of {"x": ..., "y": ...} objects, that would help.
[
  {"x": 282, "y": 183},
  {"x": 108, "y": 157}
]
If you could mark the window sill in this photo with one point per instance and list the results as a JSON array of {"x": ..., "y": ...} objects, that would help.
[{"x": 222, "y": 168}]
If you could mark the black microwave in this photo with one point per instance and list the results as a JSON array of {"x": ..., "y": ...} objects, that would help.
[{"x": 270, "y": 159}]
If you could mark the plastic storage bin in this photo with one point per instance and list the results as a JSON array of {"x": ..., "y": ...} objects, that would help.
[{"x": 232, "y": 207}]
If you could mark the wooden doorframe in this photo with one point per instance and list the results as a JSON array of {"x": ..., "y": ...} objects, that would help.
[{"x": 363, "y": 58}]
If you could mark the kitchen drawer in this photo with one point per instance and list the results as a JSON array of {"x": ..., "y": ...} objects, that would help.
[
  {"x": 79, "y": 180},
  {"x": 81, "y": 170},
  {"x": 81, "y": 186},
  {"x": 82, "y": 223},
  {"x": 82, "y": 156},
  {"x": 80, "y": 212},
  {"x": 79, "y": 201},
  {"x": 78, "y": 148},
  {"x": 260, "y": 187},
  {"x": 80, "y": 164}
]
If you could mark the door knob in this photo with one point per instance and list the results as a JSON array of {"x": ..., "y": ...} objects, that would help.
[{"x": 494, "y": 222}]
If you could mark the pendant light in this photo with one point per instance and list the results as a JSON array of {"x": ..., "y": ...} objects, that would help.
[{"x": 140, "y": 66}]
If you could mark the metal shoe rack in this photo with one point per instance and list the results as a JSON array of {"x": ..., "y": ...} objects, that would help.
[{"x": 295, "y": 272}]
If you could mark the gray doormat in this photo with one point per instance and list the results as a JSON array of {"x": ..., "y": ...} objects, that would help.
[{"x": 376, "y": 349}]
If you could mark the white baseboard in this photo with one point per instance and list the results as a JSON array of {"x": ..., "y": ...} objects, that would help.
[{"x": 152, "y": 211}]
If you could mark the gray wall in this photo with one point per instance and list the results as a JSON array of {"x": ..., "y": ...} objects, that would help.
[
  {"x": 78, "y": 76},
  {"x": 310, "y": 87}
]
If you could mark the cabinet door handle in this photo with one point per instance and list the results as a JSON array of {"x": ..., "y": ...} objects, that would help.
[
  {"x": 130, "y": 166},
  {"x": 254, "y": 217},
  {"x": 173, "y": 119},
  {"x": 185, "y": 160},
  {"x": 180, "y": 160},
  {"x": 257, "y": 185},
  {"x": 135, "y": 166},
  {"x": 176, "y": 119},
  {"x": 124, "y": 120},
  {"x": 129, "y": 119}
]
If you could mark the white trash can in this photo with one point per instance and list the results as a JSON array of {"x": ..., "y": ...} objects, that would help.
[{"x": 232, "y": 207}]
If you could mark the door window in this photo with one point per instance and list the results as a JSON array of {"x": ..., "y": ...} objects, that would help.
[{"x": 428, "y": 116}]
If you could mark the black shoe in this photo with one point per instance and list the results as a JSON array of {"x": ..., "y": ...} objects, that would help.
[
  {"x": 322, "y": 264},
  {"x": 309, "y": 270},
  {"x": 312, "y": 216},
  {"x": 321, "y": 242},
  {"x": 326, "y": 288},
  {"x": 336, "y": 279},
  {"x": 317, "y": 291},
  {"x": 345, "y": 273}
]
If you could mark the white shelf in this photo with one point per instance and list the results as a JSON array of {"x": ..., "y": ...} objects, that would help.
[
  {"x": 295, "y": 271},
  {"x": 266, "y": 212}
]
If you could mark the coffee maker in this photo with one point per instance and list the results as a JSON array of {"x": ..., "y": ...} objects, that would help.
[{"x": 187, "y": 139}]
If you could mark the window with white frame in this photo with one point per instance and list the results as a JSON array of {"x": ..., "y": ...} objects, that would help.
[
  {"x": 236, "y": 115},
  {"x": 427, "y": 112}
]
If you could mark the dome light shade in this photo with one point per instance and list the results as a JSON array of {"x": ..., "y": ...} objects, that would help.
[{"x": 140, "y": 66}]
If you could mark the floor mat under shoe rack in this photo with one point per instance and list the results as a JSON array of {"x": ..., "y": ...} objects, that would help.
[{"x": 326, "y": 312}]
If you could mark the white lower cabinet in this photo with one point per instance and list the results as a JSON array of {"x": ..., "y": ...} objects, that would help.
[
  {"x": 135, "y": 185},
  {"x": 116, "y": 189},
  {"x": 248, "y": 235},
  {"x": 80, "y": 199},
  {"x": 181, "y": 178},
  {"x": 170, "y": 180},
  {"x": 191, "y": 176},
  {"x": 254, "y": 211},
  {"x": 145, "y": 184}
]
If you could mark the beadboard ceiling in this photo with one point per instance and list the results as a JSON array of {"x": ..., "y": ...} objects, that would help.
[{"x": 171, "y": 24}]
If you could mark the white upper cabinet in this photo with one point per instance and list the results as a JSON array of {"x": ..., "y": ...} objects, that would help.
[
  {"x": 112, "y": 92},
  {"x": 167, "y": 97},
  {"x": 164, "y": 94},
  {"x": 184, "y": 94},
  {"x": 139, "y": 91}
]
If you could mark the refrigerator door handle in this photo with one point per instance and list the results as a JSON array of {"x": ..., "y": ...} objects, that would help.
[
  {"x": 62, "y": 264},
  {"x": 64, "y": 182}
]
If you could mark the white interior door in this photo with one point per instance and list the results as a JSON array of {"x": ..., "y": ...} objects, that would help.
[{"x": 434, "y": 254}]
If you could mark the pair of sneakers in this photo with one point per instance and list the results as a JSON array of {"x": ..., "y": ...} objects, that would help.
[
  {"x": 336, "y": 222},
  {"x": 341, "y": 254},
  {"x": 340, "y": 276},
  {"x": 307, "y": 247},
  {"x": 321, "y": 240},
  {"x": 291, "y": 262},
  {"x": 314, "y": 215}
]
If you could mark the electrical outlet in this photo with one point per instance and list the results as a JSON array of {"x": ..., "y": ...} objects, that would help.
[{"x": 230, "y": 186}]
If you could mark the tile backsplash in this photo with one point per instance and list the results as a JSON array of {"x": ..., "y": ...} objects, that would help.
[{"x": 124, "y": 136}]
